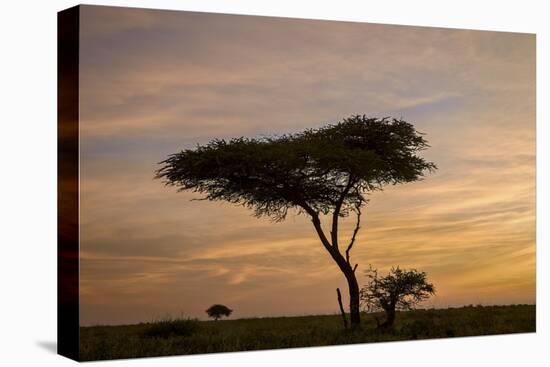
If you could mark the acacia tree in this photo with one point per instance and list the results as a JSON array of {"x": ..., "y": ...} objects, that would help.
[
  {"x": 318, "y": 172},
  {"x": 217, "y": 311},
  {"x": 399, "y": 290}
]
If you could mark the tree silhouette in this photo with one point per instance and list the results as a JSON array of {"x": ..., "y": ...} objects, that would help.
[
  {"x": 399, "y": 290},
  {"x": 325, "y": 171},
  {"x": 217, "y": 311}
]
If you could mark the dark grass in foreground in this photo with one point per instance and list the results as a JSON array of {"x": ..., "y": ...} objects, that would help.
[{"x": 181, "y": 336}]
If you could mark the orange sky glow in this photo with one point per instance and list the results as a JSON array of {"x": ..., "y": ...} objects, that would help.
[{"x": 155, "y": 82}]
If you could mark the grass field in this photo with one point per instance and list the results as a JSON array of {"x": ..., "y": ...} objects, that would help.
[{"x": 174, "y": 337}]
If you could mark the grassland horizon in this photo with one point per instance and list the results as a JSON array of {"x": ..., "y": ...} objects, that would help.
[
  {"x": 206, "y": 318},
  {"x": 183, "y": 336}
]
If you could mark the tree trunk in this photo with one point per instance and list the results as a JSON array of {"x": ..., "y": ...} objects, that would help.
[
  {"x": 390, "y": 318},
  {"x": 355, "y": 318},
  {"x": 353, "y": 288},
  {"x": 345, "y": 267}
]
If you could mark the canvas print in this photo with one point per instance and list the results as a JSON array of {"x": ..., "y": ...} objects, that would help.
[{"x": 235, "y": 183}]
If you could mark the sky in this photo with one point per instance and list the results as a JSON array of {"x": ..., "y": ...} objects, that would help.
[{"x": 155, "y": 82}]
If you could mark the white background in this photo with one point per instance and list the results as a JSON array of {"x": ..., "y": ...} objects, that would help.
[{"x": 28, "y": 183}]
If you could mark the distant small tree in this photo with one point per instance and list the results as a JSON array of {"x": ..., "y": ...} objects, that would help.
[
  {"x": 217, "y": 311},
  {"x": 399, "y": 290}
]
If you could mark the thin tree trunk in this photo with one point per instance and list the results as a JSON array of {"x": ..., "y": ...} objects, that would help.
[
  {"x": 342, "y": 308},
  {"x": 390, "y": 318},
  {"x": 355, "y": 318},
  {"x": 353, "y": 288}
]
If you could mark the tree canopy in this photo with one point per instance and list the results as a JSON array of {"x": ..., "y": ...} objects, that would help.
[
  {"x": 216, "y": 311},
  {"x": 317, "y": 170}
]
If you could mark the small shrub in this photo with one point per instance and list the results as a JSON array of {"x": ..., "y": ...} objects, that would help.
[
  {"x": 169, "y": 327},
  {"x": 400, "y": 290},
  {"x": 217, "y": 311}
]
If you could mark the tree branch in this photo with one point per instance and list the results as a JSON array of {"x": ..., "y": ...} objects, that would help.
[
  {"x": 317, "y": 224},
  {"x": 336, "y": 213},
  {"x": 357, "y": 227},
  {"x": 342, "y": 308},
  {"x": 333, "y": 251}
]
